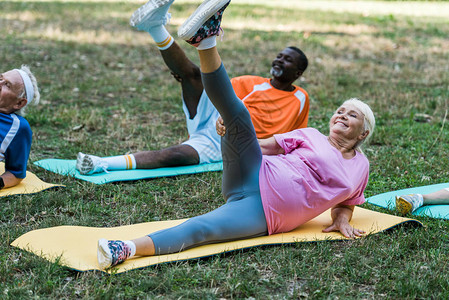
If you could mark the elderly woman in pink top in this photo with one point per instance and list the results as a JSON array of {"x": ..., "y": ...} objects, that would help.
[{"x": 272, "y": 185}]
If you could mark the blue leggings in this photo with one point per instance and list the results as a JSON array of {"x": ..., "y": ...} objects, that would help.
[{"x": 242, "y": 216}]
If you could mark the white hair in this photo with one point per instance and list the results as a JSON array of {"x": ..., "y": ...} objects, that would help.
[
  {"x": 369, "y": 122},
  {"x": 37, "y": 95}
]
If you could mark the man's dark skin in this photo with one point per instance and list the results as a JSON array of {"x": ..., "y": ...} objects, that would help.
[{"x": 189, "y": 75}]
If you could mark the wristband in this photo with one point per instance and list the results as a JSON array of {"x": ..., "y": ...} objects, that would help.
[{"x": 2, "y": 183}]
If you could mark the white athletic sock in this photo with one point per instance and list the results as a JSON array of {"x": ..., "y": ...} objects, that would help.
[
  {"x": 131, "y": 246},
  {"x": 208, "y": 43},
  {"x": 161, "y": 36},
  {"x": 121, "y": 162}
]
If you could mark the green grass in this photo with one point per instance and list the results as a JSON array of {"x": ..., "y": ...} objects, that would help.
[{"x": 105, "y": 90}]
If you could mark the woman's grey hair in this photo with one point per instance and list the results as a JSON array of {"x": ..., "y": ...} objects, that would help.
[
  {"x": 37, "y": 95},
  {"x": 369, "y": 122}
]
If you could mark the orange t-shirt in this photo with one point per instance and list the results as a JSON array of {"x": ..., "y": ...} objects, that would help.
[{"x": 272, "y": 111}]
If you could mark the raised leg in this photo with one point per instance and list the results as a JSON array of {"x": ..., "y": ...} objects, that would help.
[
  {"x": 187, "y": 73},
  {"x": 240, "y": 148},
  {"x": 152, "y": 17}
]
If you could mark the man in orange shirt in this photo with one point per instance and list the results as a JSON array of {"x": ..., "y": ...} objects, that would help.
[{"x": 275, "y": 104}]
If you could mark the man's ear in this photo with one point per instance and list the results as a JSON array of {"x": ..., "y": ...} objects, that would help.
[{"x": 21, "y": 102}]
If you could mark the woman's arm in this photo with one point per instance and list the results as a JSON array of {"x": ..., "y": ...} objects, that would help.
[
  {"x": 269, "y": 146},
  {"x": 341, "y": 215}
]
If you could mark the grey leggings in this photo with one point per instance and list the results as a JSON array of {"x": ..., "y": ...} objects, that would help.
[{"x": 242, "y": 216}]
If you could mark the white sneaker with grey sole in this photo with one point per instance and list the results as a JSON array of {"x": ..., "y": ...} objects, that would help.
[
  {"x": 89, "y": 164},
  {"x": 152, "y": 13}
]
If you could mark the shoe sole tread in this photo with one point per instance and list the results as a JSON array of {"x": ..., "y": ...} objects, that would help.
[
  {"x": 104, "y": 256},
  {"x": 403, "y": 206},
  {"x": 142, "y": 13},
  {"x": 197, "y": 19}
]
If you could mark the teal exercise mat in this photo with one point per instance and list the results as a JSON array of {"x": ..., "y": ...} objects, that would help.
[
  {"x": 388, "y": 200},
  {"x": 67, "y": 167}
]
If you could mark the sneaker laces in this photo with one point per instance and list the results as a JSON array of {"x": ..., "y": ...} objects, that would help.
[
  {"x": 167, "y": 18},
  {"x": 102, "y": 164},
  {"x": 220, "y": 33}
]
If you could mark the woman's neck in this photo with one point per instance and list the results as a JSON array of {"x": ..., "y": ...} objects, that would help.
[{"x": 346, "y": 148}]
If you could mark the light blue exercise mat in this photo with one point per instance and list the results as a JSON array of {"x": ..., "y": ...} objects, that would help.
[
  {"x": 388, "y": 200},
  {"x": 67, "y": 167}
]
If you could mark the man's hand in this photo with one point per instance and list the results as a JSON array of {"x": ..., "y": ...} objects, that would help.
[
  {"x": 10, "y": 180},
  {"x": 177, "y": 77},
  {"x": 219, "y": 126}
]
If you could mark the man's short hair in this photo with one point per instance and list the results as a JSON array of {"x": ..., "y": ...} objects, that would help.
[{"x": 303, "y": 62}]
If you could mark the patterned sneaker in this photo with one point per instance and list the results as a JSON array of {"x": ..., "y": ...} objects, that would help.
[
  {"x": 152, "y": 13},
  {"x": 204, "y": 22},
  {"x": 111, "y": 253},
  {"x": 88, "y": 164},
  {"x": 408, "y": 203}
]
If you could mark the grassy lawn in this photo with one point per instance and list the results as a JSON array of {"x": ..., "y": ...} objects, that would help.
[{"x": 106, "y": 91}]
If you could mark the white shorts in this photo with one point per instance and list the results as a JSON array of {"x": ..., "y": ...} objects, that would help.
[{"x": 203, "y": 136}]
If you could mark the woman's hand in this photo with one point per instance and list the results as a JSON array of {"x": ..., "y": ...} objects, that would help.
[
  {"x": 341, "y": 215},
  {"x": 345, "y": 229},
  {"x": 219, "y": 126}
]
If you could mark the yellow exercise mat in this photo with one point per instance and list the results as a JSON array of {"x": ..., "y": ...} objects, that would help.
[
  {"x": 76, "y": 246},
  {"x": 30, "y": 185}
]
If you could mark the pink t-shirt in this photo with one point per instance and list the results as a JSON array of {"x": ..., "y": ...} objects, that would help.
[{"x": 311, "y": 177}]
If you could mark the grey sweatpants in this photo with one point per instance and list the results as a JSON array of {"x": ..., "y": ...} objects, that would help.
[{"x": 242, "y": 216}]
